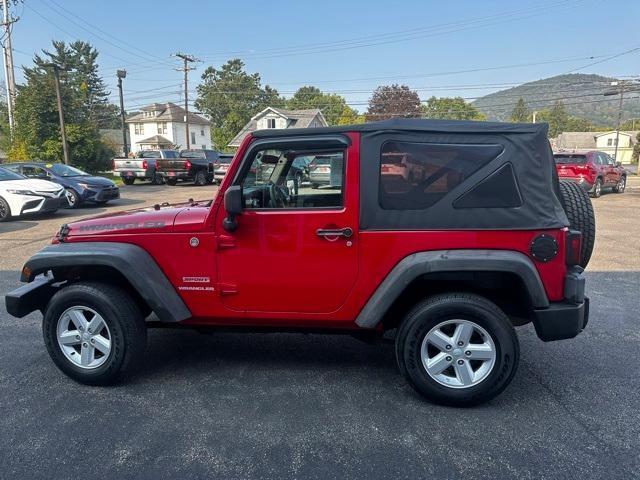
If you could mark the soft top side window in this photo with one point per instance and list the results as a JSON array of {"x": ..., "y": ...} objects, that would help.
[{"x": 415, "y": 176}]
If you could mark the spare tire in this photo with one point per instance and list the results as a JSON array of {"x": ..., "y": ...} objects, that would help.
[{"x": 577, "y": 205}]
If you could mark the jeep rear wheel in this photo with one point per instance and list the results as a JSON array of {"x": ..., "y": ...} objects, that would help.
[
  {"x": 94, "y": 332},
  {"x": 457, "y": 349},
  {"x": 577, "y": 205}
]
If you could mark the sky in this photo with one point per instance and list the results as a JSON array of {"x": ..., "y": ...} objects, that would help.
[{"x": 464, "y": 48}]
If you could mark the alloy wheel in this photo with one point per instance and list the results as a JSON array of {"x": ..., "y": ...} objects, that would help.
[
  {"x": 458, "y": 353},
  {"x": 84, "y": 337}
]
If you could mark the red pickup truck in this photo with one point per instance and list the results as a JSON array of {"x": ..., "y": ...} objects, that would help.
[
  {"x": 592, "y": 170},
  {"x": 448, "y": 262}
]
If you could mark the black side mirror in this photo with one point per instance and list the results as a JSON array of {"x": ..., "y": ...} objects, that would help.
[
  {"x": 618, "y": 164},
  {"x": 233, "y": 206}
]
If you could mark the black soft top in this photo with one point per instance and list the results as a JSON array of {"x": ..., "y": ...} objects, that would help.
[
  {"x": 414, "y": 125},
  {"x": 514, "y": 189}
]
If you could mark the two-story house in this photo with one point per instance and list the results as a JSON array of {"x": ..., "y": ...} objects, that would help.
[
  {"x": 279, "y": 118},
  {"x": 162, "y": 126}
]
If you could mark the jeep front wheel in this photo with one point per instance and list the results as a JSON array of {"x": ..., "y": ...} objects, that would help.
[
  {"x": 457, "y": 349},
  {"x": 94, "y": 332}
]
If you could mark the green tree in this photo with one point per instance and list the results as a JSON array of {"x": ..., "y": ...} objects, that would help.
[
  {"x": 350, "y": 117},
  {"x": 85, "y": 107},
  {"x": 333, "y": 107},
  {"x": 631, "y": 124},
  {"x": 520, "y": 112},
  {"x": 231, "y": 96},
  {"x": 559, "y": 121},
  {"x": 636, "y": 150},
  {"x": 393, "y": 101},
  {"x": 451, "y": 109}
]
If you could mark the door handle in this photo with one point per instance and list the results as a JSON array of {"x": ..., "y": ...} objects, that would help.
[{"x": 335, "y": 232}]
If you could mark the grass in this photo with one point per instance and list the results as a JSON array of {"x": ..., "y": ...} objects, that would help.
[{"x": 114, "y": 178}]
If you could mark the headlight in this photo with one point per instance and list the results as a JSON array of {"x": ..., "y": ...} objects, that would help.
[
  {"x": 21, "y": 192},
  {"x": 85, "y": 185}
]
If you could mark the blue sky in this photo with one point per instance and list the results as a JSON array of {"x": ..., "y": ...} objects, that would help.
[{"x": 349, "y": 47}]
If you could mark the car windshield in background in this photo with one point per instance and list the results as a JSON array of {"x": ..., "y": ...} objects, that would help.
[
  {"x": 6, "y": 175},
  {"x": 570, "y": 158},
  {"x": 192, "y": 154},
  {"x": 225, "y": 160},
  {"x": 66, "y": 171},
  {"x": 149, "y": 154}
]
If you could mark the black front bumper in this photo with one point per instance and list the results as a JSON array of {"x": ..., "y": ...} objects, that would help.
[
  {"x": 562, "y": 320},
  {"x": 30, "y": 297}
]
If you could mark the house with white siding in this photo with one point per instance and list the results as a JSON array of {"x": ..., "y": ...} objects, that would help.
[
  {"x": 162, "y": 126},
  {"x": 279, "y": 118}
]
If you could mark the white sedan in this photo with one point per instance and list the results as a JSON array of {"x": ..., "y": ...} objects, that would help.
[{"x": 20, "y": 195}]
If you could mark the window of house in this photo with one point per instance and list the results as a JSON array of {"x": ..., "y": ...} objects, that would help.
[
  {"x": 162, "y": 128},
  {"x": 202, "y": 133},
  {"x": 414, "y": 176},
  {"x": 138, "y": 128},
  {"x": 285, "y": 179},
  {"x": 271, "y": 123},
  {"x": 193, "y": 138}
]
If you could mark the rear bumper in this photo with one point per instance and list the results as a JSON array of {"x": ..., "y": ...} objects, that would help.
[
  {"x": 585, "y": 183},
  {"x": 562, "y": 320},
  {"x": 135, "y": 174},
  {"x": 179, "y": 175}
]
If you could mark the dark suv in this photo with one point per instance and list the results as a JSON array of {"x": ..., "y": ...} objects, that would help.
[
  {"x": 478, "y": 240},
  {"x": 80, "y": 187}
]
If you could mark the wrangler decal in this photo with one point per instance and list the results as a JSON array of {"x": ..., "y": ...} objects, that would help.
[{"x": 120, "y": 226}]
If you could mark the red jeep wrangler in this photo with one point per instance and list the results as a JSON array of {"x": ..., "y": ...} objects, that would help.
[{"x": 451, "y": 258}]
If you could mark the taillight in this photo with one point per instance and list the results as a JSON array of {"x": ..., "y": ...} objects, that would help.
[
  {"x": 144, "y": 164},
  {"x": 187, "y": 165},
  {"x": 573, "y": 246}
]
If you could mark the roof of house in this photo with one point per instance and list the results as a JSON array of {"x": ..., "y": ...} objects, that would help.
[
  {"x": 167, "y": 112},
  {"x": 155, "y": 140},
  {"x": 628, "y": 133},
  {"x": 576, "y": 140},
  {"x": 298, "y": 119}
]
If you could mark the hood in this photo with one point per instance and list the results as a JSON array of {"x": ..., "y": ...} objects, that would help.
[
  {"x": 91, "y": 180},
  {"x": 156, "y": 219},
  {"x": 30, "y": 184}
]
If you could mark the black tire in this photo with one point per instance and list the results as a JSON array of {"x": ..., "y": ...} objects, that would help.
[
  {"x": 128, "y": 333},
  {"x": 171, "y": 181},
  {"x": 577, "y": 205},
  {"x": 157, "y": 179},
  {"x": 314, "y": 186},
  {"x": 200, "y": 179},
  {"x": 5, "y": 210},
  {"x": 621, "y": 185},
  {"x": 460, "y": 306},
  {"x": 73, "y": 199},
  {"x": 596, "y": 190},
  {"x": 128, "y": 180}
]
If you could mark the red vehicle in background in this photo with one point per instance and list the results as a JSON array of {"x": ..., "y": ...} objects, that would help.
[{"x": 593, "y": 170}]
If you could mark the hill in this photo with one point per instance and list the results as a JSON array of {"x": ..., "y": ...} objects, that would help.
[{"x": 580, "y": 93}]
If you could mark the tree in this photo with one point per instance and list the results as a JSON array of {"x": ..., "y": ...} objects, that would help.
[
  {"x": 85, "y": 107},
  {"x": 631, "y": 124},
  {"x": 350, "y": 117},
  {"x": 559, "y": 121},
  {"x": 451, "y": 109},
  {"x": 333, "y": 107},
  {"x": 636, "y": 152},
  {"x": 393, "y": 101},
  {"x": 231, "y": 96},
  {"x": 520, "y": 112}
]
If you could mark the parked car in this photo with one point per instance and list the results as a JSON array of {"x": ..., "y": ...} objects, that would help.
[
  {"x": 221, "y": 167},
  {"x": 325, "y": 170},
  {"x": 21, "y": 196},
  {"x": 142, "y": 167},
  {"x": 592, "y": 170},
  {"x": 192, "y": 165},
  {"x": 80, "y": 187},
  {"x": 452, "y": 272}
]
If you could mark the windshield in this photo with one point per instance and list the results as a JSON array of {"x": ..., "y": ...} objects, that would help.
[
  {"x": 149, "y": 154},
  {"x": 66, "y": 171},
  {"x": 225, "y": 160},
  {"x": 193, "y": 154},
  {"x": 9, "y": 175},
  {"x": 570, "y": 158}
]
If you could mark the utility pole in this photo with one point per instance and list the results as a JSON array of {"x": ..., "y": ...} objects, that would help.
[
  {"x": 620, "y": 89},
  {"x": 7, "y": 50},
  {"x": 535, "y": 114},
  {"x": 56, "y": 76},
  {"x": 125, "y": 147},
  {"x": 187, "y": 59}
]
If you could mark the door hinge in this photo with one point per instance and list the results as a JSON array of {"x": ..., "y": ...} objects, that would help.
[
  {"x": 227, "y": 289},
  {"x": 225, "y": 241}
]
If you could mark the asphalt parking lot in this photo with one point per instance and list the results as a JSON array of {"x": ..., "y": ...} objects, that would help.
[{"x": 312, "y": 406}]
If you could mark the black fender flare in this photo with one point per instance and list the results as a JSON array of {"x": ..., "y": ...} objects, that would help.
[
  {"x": 132, "y": 261},
  {"x": 417, "y": 264}
]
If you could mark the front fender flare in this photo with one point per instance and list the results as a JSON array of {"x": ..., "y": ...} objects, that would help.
[
  {"x": 132, "y": 261},
  {"x": 417, "y": 264}
]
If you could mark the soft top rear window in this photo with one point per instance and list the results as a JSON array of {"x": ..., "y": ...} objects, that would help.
[{"x": 564, "y": 158}]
